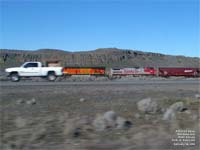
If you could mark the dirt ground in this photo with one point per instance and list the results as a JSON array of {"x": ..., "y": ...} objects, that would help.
[{"x": 60, "y": 115}]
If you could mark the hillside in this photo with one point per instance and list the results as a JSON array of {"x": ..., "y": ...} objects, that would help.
[{"x": 108, "y": 57}]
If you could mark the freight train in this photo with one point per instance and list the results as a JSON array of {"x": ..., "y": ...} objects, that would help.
[
  {"x": 36, "y": 69},
  {"x": 146, "y": 71}
]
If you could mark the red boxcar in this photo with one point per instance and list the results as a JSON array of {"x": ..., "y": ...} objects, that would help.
[{"x": 189, "y": 72}]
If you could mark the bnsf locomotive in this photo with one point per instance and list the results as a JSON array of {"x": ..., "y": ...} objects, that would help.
[
  {"x": 133, "y": 71},
  {"x": 84, "y": 71}
]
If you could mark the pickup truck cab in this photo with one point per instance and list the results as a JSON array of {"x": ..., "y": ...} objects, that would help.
[{"x": 33, "y": 69}]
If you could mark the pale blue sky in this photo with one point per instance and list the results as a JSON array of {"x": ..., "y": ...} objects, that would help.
[{"x": 164, "y": 26}]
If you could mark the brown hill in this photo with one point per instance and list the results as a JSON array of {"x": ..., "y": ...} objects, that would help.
[{"x": 108, "y": 57}]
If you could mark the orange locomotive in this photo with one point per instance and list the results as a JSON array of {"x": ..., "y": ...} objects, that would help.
[{"x": 84, "y": 71}]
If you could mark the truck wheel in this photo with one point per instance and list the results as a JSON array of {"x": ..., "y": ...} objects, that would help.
[
  {"x": 51, "y": 76},
  {"x": 14, "y": 77}
]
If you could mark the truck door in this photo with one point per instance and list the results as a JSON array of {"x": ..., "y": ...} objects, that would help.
[{"x": 30, "y": 69}]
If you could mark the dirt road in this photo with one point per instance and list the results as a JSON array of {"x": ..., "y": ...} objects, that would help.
[{"x": 47, "y": 115}]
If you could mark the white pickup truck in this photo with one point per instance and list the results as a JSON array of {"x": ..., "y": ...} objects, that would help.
[{"x": 33, "y": 69}]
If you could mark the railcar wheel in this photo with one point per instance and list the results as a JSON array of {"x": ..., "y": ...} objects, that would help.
[{"x": 195, "y": 74}]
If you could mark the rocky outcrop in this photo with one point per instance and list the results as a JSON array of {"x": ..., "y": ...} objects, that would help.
[{"x": 108, "y": 57}]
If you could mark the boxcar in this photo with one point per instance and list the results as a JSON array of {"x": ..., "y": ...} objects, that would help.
[
  {"x": 84, "y": 70},
  {"x": 188, "y": 72}
]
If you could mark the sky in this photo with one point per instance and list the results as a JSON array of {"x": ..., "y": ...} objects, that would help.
[{"x": 161, "y": 26}]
